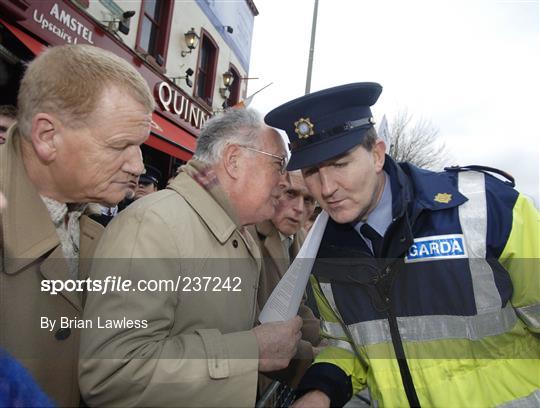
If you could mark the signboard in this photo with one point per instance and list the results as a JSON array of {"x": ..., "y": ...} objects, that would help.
[
  {"x": 63, "y": 24},
  {"x": 175, "y": 103},
  {"x": 59, "y": 22}
]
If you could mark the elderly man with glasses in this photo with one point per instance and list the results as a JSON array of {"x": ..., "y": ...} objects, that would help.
[{"x": 193, "y": 344}]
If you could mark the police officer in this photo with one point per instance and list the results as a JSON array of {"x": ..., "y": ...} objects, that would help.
[
  {"x": 148, "y": 182},
  {"x": 427, "y": 283}
]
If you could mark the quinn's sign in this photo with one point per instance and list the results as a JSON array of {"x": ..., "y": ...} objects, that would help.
[{"x": 174, "y": 102}]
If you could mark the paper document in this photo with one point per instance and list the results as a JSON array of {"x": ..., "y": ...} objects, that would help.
[{"x": 285, "y": 299}]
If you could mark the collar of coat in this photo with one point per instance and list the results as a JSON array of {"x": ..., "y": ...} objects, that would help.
[
  {"x": 269, "y": 236},
  {"x": 195, "y": 182},
  {"x": 266, "y": 229},
  {"x": 28, "y": 232}
]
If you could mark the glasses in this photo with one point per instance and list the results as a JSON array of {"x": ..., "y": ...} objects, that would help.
[{"x": 282, "y": 159}]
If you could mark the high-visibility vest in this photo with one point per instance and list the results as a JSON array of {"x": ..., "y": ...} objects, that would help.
[{"x": 487, "y": 359}]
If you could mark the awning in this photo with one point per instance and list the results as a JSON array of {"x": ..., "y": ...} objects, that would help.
[
  {"x": 171, "y": 139},
  {"x": 166, "y": 136},
  {"x": 30, "y": 42}
]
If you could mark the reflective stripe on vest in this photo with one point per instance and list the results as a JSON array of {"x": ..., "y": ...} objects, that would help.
[
  {"x": 531, "y": 400},
  {"x": 340, "y": 344},
  {"x": 425, "y": 328},
  {"x": 329, "y": 295},
  {"x": 473, "y": 220},
  {"x": 333, "y": 329},
  {"x": 530, "y": 315}
]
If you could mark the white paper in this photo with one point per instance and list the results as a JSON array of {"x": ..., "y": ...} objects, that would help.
[{"x": 285, "y": 299}]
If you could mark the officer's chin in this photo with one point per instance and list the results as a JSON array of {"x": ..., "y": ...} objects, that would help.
[{"x": 343, "y": 216}]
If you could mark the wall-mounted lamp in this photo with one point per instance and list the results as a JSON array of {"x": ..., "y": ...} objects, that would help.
[
  {"x": 192, "y": 39},
  {"x": 228, "y": 79},
  {"x": 189, "y": 82},
  {"x": 121, "y": 24},
  {"x": 229, "y": 29}
]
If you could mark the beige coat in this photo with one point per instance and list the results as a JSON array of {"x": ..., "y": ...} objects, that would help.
[
  {"x": 197, "y": 349},
  {"x": 32, "y": 253},
  {"x": 276, "y": 263}
]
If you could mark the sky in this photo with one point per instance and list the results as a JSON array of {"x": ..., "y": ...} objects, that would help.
[{"x": 471, "y": 68}]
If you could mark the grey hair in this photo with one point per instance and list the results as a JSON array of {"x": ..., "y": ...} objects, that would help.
[{"x": 233, "y": 126}]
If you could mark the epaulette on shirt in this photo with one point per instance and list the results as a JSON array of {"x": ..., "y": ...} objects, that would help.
[{"x": 508, "y": 179}]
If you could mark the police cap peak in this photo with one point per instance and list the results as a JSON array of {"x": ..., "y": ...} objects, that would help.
[{"x": 327, "y": 123}]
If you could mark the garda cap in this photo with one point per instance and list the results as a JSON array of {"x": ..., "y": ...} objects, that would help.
[
  {"x": 327, "y": 123},
  {"x": 152, "y": 175}
]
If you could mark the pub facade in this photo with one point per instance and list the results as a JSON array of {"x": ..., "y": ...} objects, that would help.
[{"x": 193, "y": 54}]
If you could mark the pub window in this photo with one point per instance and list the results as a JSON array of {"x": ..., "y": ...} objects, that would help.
[
  {"x": 154, "y": 28},
  {"x": 206, "y": 68},
  {"x": 234, "y": 96}
]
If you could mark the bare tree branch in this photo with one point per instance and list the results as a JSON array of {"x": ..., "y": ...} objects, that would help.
[{"x": 416, "y": 142}]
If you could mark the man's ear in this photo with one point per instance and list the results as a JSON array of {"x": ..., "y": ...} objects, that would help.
[
  {"x": 379, "y": 151},
  {"x": 231, "y": 160},
  {"x": 45, "y": 132}
]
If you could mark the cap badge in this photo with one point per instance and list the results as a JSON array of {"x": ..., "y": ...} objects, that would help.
[
  {"x": 303, "y": 128},
  {"x": 444, "y": 198}
]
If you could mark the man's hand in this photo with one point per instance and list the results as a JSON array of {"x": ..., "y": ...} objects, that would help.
[
  {"x": 277, "y": 343},
  {"x": 320, "y": 347},
  {"x": 313, "y": 399}
]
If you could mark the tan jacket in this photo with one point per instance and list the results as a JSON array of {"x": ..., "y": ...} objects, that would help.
[
  {"x": 197, "y": 349},
  {"x": 31, "y": 253},
  {"x": 276, "y": 263}
]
